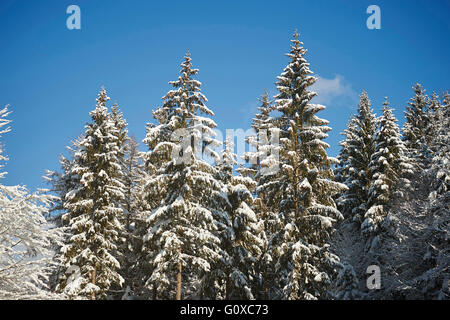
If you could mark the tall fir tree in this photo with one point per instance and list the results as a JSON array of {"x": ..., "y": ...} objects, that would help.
[
  {"x": 440, "y": 146},
  {"x": 61, "y": 182},
  {"x": 436, "y": 278},
  {"x": 246, "y": 239},
  {"x": 356, "y": 153},
  {"x": 305, "y": 184},
  {"x": 128, "y": 159},
  {"x": 182, "y": 242},
  {"x": 262, "y": 159},
  {"x": 389, "y": 168},
  {"x": 261, "y": 124},
  {"x": 435, "y": 114},
  {"x": 417, "y": 130},
  {"x": 343, "y": 170},
  {"x": 134, "y": 206},
  {"x": 93, "y": 210}
]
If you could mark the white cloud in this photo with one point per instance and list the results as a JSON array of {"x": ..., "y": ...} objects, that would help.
[{"x": 334, "y": 91}]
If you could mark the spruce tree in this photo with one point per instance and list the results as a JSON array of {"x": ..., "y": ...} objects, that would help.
[
  {"x": 61, "y": 182},
  {"x": 436, "y": 278},
  {"x": 435, "y": 115},
  {"x": 389, "y": 168},
  {"x": 356, "y": 153},
  {"x": 182, "y": 245},
  {"x": 344, "y": 172},
  {"x": 417, "y": 131},
  {"x": 93, "y": 210},
  {"x": 262, "y": 171},
  {"x": 134, "y": 206},
  {"x": 306, "y": 186},
  {"x": 245, "y": 240},
  {"x": 261, "y": 124}
]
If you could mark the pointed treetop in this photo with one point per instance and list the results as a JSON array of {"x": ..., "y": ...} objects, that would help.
[
  {"x": 102, "y": 96},
  {"x": 186, "y": 67},
  {"x": 364, "y": 104},
  {"x": 100, "y": 108},
  {"x": 297, "y": 44},
  {"x": 434, "y": 100},
  {"x": 264, "y": 100},
  {"x": 419, "y": 102},
  {"x": 418, "y": 89}
]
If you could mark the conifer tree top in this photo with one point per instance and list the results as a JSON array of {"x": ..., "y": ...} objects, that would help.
[
  {"x": 296, "y": 77},
  {"x": 364, "y": 105}
]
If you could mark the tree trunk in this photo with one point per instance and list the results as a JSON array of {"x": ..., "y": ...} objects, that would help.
[
  {"x": 154, "y": 292},
  {"x": 178, "y": 297},
  {"x": 227, "y": 287},
  {"x": 94, "y": 275}
]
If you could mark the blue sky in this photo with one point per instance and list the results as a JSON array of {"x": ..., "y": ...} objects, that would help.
[{"x": 50, "y": 75}]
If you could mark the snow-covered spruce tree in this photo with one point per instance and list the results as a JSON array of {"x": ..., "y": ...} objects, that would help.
[
  {"x": 134, "y": 207},
  {"x": 389, "y": 168},
  {"x": 26, "y": 239},
  {"x": 305, "y": 185},
  {"x": 356, "y": 153},
  {"x": 262, "y": 155},
  {"x": 61, "y": 182},
  {"x": 440, "y": 146},
  {"x": 435, "y": 115},
  {"x": 261, "y": 124},
  {"x": 133, "y": 179},
  {"x": 263, "y": 148},
  {"x": 245, "y": 240},
  {"x": 93, "y": 211},
  {"x": 436, "y": 278},
  {"x": 129, "y": 175},
  {"x": 417, "y": 131},
  {"x": 182, "y": 245},
  {"x": 120, "y": 132},
  {"x": 343, "y": 170}
]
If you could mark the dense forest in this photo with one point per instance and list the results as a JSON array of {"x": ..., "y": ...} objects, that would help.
[{"x": 182, "y": 220}]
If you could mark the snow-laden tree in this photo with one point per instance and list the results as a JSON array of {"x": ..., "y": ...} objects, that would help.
[
  {"x": 245, "y": 236},
  {"x": 261, "y": 124},
  {"x": 435, "y": 115},
  {"x": 437, "y": 277},
  {"x": 93, "y": 210},
  {"x": 262, "y": 170},
  {"x": 133, "y": 176},
  {"x": 26, "y": 238},
  {"x": 389, "y": 168},
  {"x": 120, "y": 132},
  {"x": 134, "y": 206},
  {"x": 343, "y": 170},
  {"x": 356, "y": 153},
  {"x": 61, "y": 182},
  {"x": 441, "y": 147},
  {"x": 182, "y": 245},
  {"x": 417, "y": 130},
  {"x": 130, "y": 176},
  {"x": 305, "y": 187}
]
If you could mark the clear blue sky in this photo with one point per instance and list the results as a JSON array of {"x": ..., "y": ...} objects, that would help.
[{"x": 51, "y": 75}]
